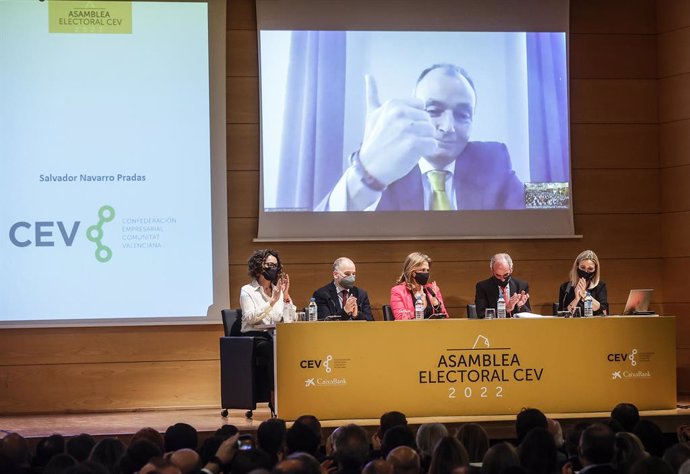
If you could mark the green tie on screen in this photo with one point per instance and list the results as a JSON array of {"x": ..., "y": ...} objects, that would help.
[{"x": 439, "y": 201}]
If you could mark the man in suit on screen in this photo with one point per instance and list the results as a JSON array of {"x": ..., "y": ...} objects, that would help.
[
  {"x": 515, "y": 292},
  {"x": 416, "y": 153},
  {"x": 341, "y": 297}
]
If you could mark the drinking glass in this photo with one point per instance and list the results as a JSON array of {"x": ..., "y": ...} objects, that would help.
[
  {"x": 301, "y": 316},
  {"x": 490, "y": 313},
  {"x": 576, "y": 312}
]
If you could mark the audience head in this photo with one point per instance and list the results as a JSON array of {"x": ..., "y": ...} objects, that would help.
[
  {"x": 159, "y": 465},
  {"x": 651, "y": 465},
  {"x": 448, "y": 454},
  {"x": 312, "y": 422},
  {"x": 187, "y": 460},
  {"x": 351, "y": 447},
  {"x": 414, "y": 263},
  {"x": 475, "y": 440},
  {"x": 428, "y": 435},
  {"x": 500, "y": 457},
  {"x": 298, "y": 463},
  {"x": 684, "y": 468},
  {"x": 180, "y": 436},
  {"x": 149, "y": 434},
  {"x": 378, "y": 466},
  {"x": 627, "y": 451},
  {"x": 265, "y": 264},
  {"x": 226, "y": 431},
  {"x": 651, "y": 436},
  {"x": 47, "y": 448},
  {"x": 80, "y": 446},
  {"x": 270, "y": 436},
  {"x": 107, "y": 453},
  {"x": 597, "y": 445},
  {"x": 676, "y": 455},
  {"x": 389, "y": 420},
  {"x": 626, "y": 414},
  {"x": 301, "y": 438},
  {"x": 86, "y": 467},
  {"x": 399, "y": 435},
  {"x": 247, "y": 461},
  {"x": 586, "y": 266},
  {"x": 527, "y": 420},
  {"x": 404, "y": 460},
  {"x": 137, "y": 454},
  {"x": 59, "y": 464},
  {"x": 538, "y": 452}
]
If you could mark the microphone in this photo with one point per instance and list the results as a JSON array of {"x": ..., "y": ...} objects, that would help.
[
  {"x": 431, "y": 292},
  {"x": 565, "y": 295}
]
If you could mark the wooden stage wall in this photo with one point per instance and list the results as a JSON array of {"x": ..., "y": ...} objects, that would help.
[{"x": 630, "y": 127}]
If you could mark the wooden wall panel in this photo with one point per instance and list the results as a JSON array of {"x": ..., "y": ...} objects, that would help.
[
  {"x": 674, "y": 192},
  {"x": 674, "y": 141},
  {"x": 676, "y": 227},
  {"x": 242, "y": 53},
  {"x": 672, "y": 15},
  {"x": 675, "y": 288},
  {"x": 109, "y": 386},
  {"x": 242, "y": 100},
  {"x": 613, "y": 101},
  {"x": 241, "y": 15},
  {"x": 612, "y": 56},
  {"x": 96, "y": 345},
  {"x": 243, "y": 141},
  {"x": 243, "y": 194},
  {"x": 613, "y": 16},
  {"x": 673, "y": 52},
  {"x": 614, "y": 145},
  {"x": 602, "y": 191},
  {"x": 674, "y": 98}
]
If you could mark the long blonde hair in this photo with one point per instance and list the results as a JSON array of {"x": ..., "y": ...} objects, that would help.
[
  {"x": 586, "y": 255},
  {"x": 413, "y": 260}
]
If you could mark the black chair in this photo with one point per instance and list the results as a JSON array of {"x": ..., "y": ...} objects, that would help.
[
  {"x": 387, "y": 313},
  {"x": 554, "y": 307},
  {"x": 472, "y": 311},
  {"x": 243, "y": 383}
]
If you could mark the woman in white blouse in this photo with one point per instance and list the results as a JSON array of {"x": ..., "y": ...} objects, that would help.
[{"x": 266, "y": 300}]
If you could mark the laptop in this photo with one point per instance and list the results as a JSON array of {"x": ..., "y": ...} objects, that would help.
[{"x": 638, "y": 302}]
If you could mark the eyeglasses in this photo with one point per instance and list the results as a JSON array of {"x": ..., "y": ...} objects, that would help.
[{"x": 270, "y": 265}]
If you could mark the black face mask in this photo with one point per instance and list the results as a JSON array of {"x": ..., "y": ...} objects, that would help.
[
  {"x": 271, "y": 274},
  {"x": 585, "y": 274},
  {"x": 421, "y": 278},
  {"x": 503, "y": 283}
]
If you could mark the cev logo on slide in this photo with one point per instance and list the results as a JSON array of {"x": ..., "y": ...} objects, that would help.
[
  {"x": 95, "y": 233},
  {"x": 316, "y": 363},
  {"x": 623, "y": 357}
]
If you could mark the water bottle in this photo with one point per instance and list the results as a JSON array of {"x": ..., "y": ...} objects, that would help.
[
  {"x": 588, "y": 305},
  {"x": 419, "y": 308},
  {"x": 501, "y": 306},
  {"x": 312, "y": 310}
]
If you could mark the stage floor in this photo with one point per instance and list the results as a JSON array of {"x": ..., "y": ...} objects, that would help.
[{"x": 208, "y": 420}]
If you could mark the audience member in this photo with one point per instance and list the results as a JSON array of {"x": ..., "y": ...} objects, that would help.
[
  {"x": 428, "y": 435},
  {"x": 627, "y": 415},
  {"x": 399, "y": 435},
  {"x": 628, "y": 450},
  {"x": 685, "y": 468},
  {"x": 378, "y": 466},
  {"x": 404, "y": 460},
  {"x": 247, "y": 461},
  {"x": 159, "y": 465},
  {"x": 46, "y": 449},
  {"x": 298, "y": 463},
  {"x": 180, "y": 436},
  {"x": 301, "y": 438},
  {"x": 499, "y": 457},
  {"x": 538, "y": 452},
  {"x": 676, "y": 455},
  {"x": 572, "y": 445},
  {"x": 651, "y": 436},
  {"x": 15, "y": 450},
  {"x": 107, "y": 453},
  {"x": 651, "y": 465},
  {"x": 475, "y": 440},
  {"x": 270, "y": 436},
  {"x": 351, "y": 449},
  {"x": 527, "y": 420},
  {"x": 80, "y": 446},
  {"x": 150, "y": 434},
  {"x": 138, "y": 454},
  {"x": 597, "y": 449},
  {"x": 448, "y": 454},
  {"x": 59, "y": 463},
  {"x": 187, "y": 460}
]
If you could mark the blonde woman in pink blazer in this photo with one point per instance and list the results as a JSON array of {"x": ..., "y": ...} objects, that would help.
[{"x": 414, "y": 283}]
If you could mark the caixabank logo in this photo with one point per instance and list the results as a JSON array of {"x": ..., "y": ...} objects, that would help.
[
  {"x": 634, "y": 364},
  {"x": 325, "y": 367},
  {"x": 24, "y": 234}
]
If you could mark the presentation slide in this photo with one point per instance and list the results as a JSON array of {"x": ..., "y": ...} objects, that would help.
[{"x": 104, "y": 160}]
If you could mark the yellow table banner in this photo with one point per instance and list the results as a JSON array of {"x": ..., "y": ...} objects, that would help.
[{"x": 349, "y": 370}]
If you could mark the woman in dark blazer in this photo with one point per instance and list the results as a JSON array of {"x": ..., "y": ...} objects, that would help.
[{"x": 585, "y": 275}]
